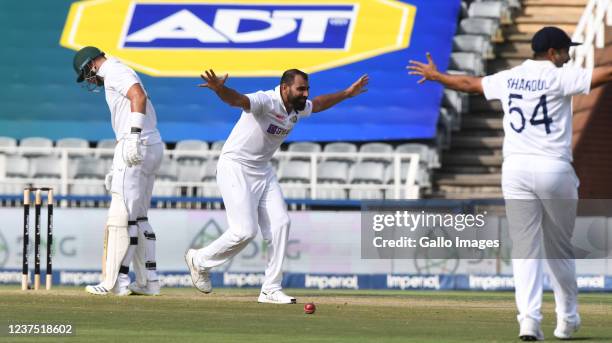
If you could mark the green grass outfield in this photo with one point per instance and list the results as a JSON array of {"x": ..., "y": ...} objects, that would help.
[{"x": 231, "y": 315}]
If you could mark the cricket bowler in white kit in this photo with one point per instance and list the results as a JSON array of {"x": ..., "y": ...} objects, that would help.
[
  {"x": 251, "y": 193},
  {"x": 138, "y": 155},
  {"x": 538, "y": 180}
]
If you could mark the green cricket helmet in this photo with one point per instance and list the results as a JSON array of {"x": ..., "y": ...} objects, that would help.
[{"x": 82, "y": 59}]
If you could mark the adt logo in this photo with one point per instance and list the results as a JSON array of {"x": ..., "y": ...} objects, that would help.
[
  {"x": 240, "y": 26},
  {"x": 256, "y": 38}
]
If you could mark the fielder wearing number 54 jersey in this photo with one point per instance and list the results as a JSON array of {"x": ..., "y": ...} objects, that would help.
[
  {"x": 251, "y": 193},
  {"x": 538, "y": 181},
  {"x": 536, "y": 98}
]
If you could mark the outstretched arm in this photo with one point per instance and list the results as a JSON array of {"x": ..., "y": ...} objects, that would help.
[
  {"x": 601, "y": 76},
  {"x": 228, "y": 95},
  {"x": 323, "y": 102},
  {"x": 430, "y": 72}
]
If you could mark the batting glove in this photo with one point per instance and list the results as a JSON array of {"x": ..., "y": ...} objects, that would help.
[
  {"x": 132, "y": 155},
  {"x": 108, "y": 181}
]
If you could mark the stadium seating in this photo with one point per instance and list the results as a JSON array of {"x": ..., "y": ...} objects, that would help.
[
  {"x": 303, "y": 148},
  {"x": 382, "y": 150},
  {"x": 292, "y": 175},
  {"x": 190, "y": 151},
  {"x": 343, "y": 148},
  {"x": 104, "y": 148},
  {"x": 76, "y": 143},
  {"x": 8, "y": 145},
  {"x": 345, "y": 170},
  {"x": 35, "y": 146}
]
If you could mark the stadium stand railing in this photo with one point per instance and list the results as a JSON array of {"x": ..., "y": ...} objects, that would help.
[
  {"x": 340, "y": 172},
  {"x": 591, "y": 32}
]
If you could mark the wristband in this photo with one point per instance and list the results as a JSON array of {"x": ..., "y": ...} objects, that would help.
[{"x": 137, "y": 120}]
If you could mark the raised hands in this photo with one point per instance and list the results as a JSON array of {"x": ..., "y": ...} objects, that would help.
[
  {"x": 358, "y": 87},
  {"x": 212, "y": 81},
  {"x": 428, "y": 71}
]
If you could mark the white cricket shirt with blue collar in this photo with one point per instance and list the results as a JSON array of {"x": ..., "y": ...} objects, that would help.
[
  {"x": 537, "y": 103},
  {"x": 260, "y": 132},
  {"x": 118, "y": 78}
]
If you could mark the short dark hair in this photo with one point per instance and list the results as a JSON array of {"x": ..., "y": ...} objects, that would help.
[
  {"x": 289, "y": 76},
  {"x": 544, "y": 54}
]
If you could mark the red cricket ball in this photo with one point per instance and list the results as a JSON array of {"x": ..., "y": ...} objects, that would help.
[{"x": 309, "y": 308}]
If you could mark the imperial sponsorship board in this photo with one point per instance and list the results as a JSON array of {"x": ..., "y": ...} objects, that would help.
[{"x": 323, "y": 253}]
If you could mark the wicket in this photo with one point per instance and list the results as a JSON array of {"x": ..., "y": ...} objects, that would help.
[{"x": 26, "y": 236}]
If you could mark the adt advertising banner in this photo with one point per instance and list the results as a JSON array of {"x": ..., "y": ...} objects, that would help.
[{"x": 171, "y": 42}]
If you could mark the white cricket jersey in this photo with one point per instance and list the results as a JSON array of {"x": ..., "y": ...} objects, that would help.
[
  {"x": 118, "y": 78},
  {"x": 537, "y": 103},
  {"x": 260, "y": 132}
]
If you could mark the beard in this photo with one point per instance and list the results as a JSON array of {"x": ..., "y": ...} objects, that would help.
[{"x": 298, "y": 103}]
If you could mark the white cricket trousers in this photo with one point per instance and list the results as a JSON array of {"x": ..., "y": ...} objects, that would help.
[
  {"x": 135, "y": 185},
  {"x": 253, "y": 199},
  {"x": 541, "y": 197}
]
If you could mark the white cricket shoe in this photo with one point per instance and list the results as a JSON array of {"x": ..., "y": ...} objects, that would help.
[
  {"x": 121, "y": 285},
  {"x": 530, "y": 331},
  {"x": 199, "y": 277},
  {"x": 152, "y": 288},
  {"x": 565, "y": 329},
  {"x": 276, "y": 297},
  {"x": 97, "y": 289}
]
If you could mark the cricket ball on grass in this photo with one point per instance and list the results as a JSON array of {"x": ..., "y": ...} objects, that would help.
[{"x": 309, "y": 308}]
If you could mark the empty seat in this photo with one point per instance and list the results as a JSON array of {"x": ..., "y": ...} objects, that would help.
[
  {"x": 36, "y": 146},
  {"x": 479, "y": 26},
  {"x": 17, "y": 167},
  {"x": 105, "y": 148},
  {"x": 167, "y": 173},
  {"x": 467, "y": 61},
  {"x": 295, "y": 171},
  {"x": 74, "y": 143},
  {"x": 457, "y": 101},
  {"x": 490, "y": 9},
  {"x": 425, "y": 155},
  {"x": 330, "y": 174},
  {"x": 190, "y": 173},
  {"x": 332, "y": 171},
  {"x": 474, "y": 43},
  {"x": 8, "y": 145},
  {"x": 46, "y": 168},
  {"x": 168, "y": 170},
  {"x": 303, "y": 148},
  {"x": 340, "y": 148},
  {"x": 209, "y": 172},
  {"x": 380, "y": 149},
  {"x": 368, "y": 172},
  {"x": 191, "y": 151},
  {"x": 422, "y": 177},
  {"x": 217, "y": 147},
  {"x": 89, "y": 168}
]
